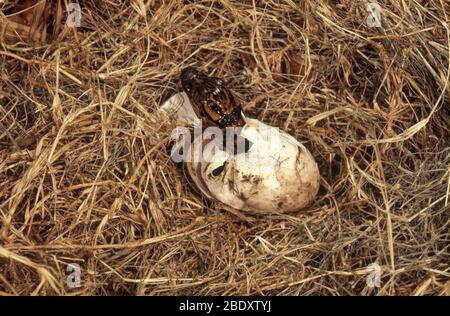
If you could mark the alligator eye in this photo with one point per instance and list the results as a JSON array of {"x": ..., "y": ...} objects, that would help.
[
  {"x": 187, "y": 87},
  {"x": 188, "y": 77}
]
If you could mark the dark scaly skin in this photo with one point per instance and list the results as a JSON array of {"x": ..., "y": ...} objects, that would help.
[{"x": 211, "y": 100}]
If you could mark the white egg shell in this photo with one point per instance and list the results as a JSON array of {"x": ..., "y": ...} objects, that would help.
[
  {"x": 179, "y": 108},
  {"x": 277, "y": 173}
]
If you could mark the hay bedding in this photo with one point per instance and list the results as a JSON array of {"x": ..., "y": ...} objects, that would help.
[{"x": 86, "y": 177}]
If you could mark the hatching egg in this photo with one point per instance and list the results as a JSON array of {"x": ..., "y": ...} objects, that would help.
[{"x": 275, "y": 174}]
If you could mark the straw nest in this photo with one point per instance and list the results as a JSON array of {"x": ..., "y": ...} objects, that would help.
[{"x": 86, "y": 176}]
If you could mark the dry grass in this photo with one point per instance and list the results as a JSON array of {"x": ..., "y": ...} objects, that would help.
[{"x": 86, "y": 176}]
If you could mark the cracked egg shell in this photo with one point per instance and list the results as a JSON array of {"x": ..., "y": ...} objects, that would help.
[{"x": 276, "y": 174}]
